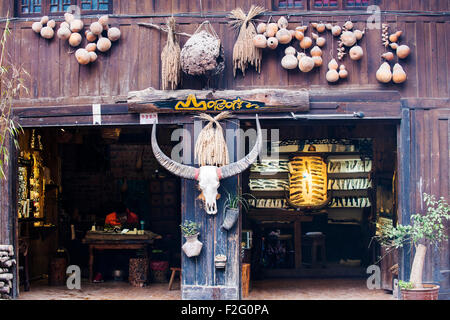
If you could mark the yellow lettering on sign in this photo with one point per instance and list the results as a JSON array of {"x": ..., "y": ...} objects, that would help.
[{"x": 192, "y": 104}]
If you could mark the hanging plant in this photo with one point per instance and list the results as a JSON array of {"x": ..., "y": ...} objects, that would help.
[
  {"x": 244, "y": 52},
  {"x": 192, "y": 246}
]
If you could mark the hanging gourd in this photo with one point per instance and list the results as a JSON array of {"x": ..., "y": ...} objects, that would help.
[
  {"x": 47, "y": 32},
  {"x": 306, "y": 43},
  {"x": 91, "y": 47},
  {"x": 384, "y": 74},
  {"x": 332, "y": 73},
  {"x": 336, "y": 31},
  {"x": 343, "y": 73},
  {"x": 305, "y": 63},
  {"x": 356, "y": 53},
  {"x": 261, "y": 28},
  {"x": 103, "y": 44},
  {"x": 63, "y": 33},
  {"x": 395, "y": 36},
  {"x": 348, "y": 25},
  {"x": 96, "y": 28},
  {"x": 282, "y": 23},
  {"x": 93, "y": 56},
  {"x": 348, "y": 38},
  {"x": 388, "y": 56},
  {"x": 283, "y": 36},
  {"x": 44, "y": 27},
  {"x": 298, "y": 33},
  {"x": 82, "y": 56},
  {"x": 398, "y": 74},
  {"x": 114, "y": 34},
  {"x": 75, "y": 39},
  {"x": 244, "y": 52},
  {"x": 289, "y": 61},
  {"x": 358, "y": 34},
  {"x": 272, "y": 43},
  {"x": 403, "y": 51},
  {"x": 76, "y": 25},
  {"x": 90, "y": 37},
  {"x": 272, "y": 29},
  {"x": 260, "y": 41}
]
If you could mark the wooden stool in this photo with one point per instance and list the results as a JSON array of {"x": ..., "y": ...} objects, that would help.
[
  {"x": 245, "y": 279},
  {"x": 172, "y": 276},
  {"x": 316, "y": 241}
]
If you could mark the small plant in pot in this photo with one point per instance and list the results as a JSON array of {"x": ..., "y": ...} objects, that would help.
[
  {"x": 192, "y": 246},
  {"x": 231, "y": 209},
  {"x": 428, "y": 229}
]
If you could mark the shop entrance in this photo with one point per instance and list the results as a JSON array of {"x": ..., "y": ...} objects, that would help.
[
  {"x": 329, "y": 238},
  {"x": 70, "y": 180}
]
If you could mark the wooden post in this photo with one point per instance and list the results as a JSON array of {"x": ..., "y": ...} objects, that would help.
[
  {"x": 298, "y": 243},
  {"x": 201, "y": 280}
]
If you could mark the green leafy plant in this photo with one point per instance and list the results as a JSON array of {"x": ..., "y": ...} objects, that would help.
[
  {"x": 425, "y": 229},
  {"x": 189, "y": 228},
  {"x": 405, "y": 285},
  {"x": 11, "y": 84},
  {"x": 232, "y": 201}
]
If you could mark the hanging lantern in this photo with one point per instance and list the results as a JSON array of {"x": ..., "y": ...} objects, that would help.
[{"x": 308, "y": 182}]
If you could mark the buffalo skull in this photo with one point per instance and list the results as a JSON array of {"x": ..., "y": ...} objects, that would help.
[{"x": 208, "y": 177}]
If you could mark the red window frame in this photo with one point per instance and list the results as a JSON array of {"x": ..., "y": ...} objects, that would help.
[{"x": 46, "y": 7}]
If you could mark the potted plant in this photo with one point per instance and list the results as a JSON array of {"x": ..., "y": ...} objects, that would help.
[
  {"x": 424, "y": 230},
  {"x": 192, "y": 246},
  {"x": 231, "y": 208}
]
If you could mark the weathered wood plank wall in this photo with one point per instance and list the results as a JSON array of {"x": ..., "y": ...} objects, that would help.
[{"x": 57, "y": 79}]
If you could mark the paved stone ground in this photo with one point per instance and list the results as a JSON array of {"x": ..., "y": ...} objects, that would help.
[{"x": 276, "y": 289}]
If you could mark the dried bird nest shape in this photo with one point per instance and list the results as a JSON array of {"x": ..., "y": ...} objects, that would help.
[
  {"x": 244, "y": 51},
  {"x": 211, "y": 148},
  {"x": 203, "y": 53}
]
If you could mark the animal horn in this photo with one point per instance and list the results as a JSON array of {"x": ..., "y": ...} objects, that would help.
[
  {"x": 235, "y": 168},
  {"x": 174, "y": 167}
]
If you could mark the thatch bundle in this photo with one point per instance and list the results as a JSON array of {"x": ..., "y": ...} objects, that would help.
[
  {"x": 244, "y": 51},
  {"x": 211, "y": 148},
  {"x": 203, "y": 53},
  {"x": 170, "y": 59}
]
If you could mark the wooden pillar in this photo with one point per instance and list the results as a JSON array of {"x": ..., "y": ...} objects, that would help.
[
  {"x": 404, "y": 187},
  {"x": 201, "y": 280},
  {"x": 298, "y": 243}
]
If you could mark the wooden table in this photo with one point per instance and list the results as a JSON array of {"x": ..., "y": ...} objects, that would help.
[{"x": 99, "y": 240}]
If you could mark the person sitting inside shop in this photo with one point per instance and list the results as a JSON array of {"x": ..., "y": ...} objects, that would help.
[{"x": 122, "y": 217}]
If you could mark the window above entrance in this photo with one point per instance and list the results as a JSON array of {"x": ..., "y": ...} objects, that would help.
[
  {"x": 30, "y": 8},
  {"x": 322, "y": 4}
]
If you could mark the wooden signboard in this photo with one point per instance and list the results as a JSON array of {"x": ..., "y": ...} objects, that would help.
[{"x": 255, "y": 100}]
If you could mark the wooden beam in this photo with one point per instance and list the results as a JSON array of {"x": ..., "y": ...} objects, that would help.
[{"x": 152, "y": 100}]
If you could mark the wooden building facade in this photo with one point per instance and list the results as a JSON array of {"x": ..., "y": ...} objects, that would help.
[{"x": 62, "y": 92}]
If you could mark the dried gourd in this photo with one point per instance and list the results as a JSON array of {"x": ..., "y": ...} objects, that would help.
[
  {"x": 272, "y": 29},
  {"x": 37, "y": 27},
  {"x": 388, "y": 56},
  {"x": 348, "y": 38},
  {"x": 114, "y": 34},
  {"x": 272, "y": 43},
  {"x": 261, "y": 28},
  {"x": 289, "y": 61},
  {"x": 63, "y": 33},
  {"x": 356, "y": 53},
  {"x": 260, "y": 41},
  {"x": 76, "y": 25},
  {"x": 75, "y": 39},
  {"x": 343, "y": 73},
  {"x": 282, "y": 23},
  {"x": 82, "y": 56},
  {"x": 403, "y": 51},
  {"x": 398, "y": 74},
  {"x": 283, "y": 36},
  {"x": 103, "y": 44},
  {"x": 96, "y": 28},
  {"x": 305, "y": 63},
  {"x": 47, "y": 33},
  {"x": 384, "y": 73},
  {"x": 306, "y": 43}
]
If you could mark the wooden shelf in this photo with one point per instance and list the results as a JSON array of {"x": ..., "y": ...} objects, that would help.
[
  {"x": 268, "y": 175},
  {"x": 347, "y": 175},
  {"x": 269, "y": 194},
  {"x": 349, "y": 193}
]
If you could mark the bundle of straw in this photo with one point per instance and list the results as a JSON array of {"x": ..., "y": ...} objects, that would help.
[
  {"x": 170, "y": 59},
  {"x": 244, "y": 52},
  {"x": 211, "y": 148}
]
